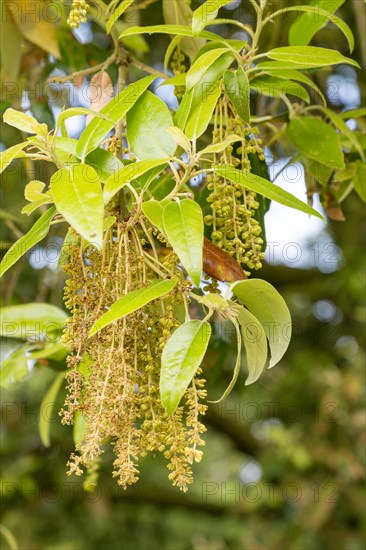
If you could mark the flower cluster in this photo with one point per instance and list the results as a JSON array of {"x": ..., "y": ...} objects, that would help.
[
  {"x": 78, "y": 13},
  {"x": 113, "y": 377},
  {"x": 235, "y": 227}
]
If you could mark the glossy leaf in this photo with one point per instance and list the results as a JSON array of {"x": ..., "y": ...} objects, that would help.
[
  {"x": 47, "y": 406},
  {"x": 104, "y": 163},
  {"x": 238, "y": 90},
  {"x": 315, "y": 16},
  {"x": 32, "y": 321},
  {"x": 153, "y": 210},
  {"x": 77, "y": 111},
  {"x": 24, "y": 122},
  {"x": 255, "y": 343},
  {"x": 180, "y": 138},
  {"x": 132, "y": 302},
  {"x": 34, "y": 190},
  {"x": 273, "y": 86},
  {"x": 206, "y": 13},
  {"x": 270, "y": 309},
  {"x": 121, "y": 8},
  {"x": 181, "y": 357},
  {"x": 22, "y": 245},
  {"x": 11, "y": 153},
  {"x": 308, "y": 57},
  {"x": 147, "y": 122},
  {"x": 77, "y": 193},
  {"x": 115, "y": 110},
  {"x": 202, "y": 65},
  {"x": 128, "y": 173},
  {"x": 316, "y": 140},
  {"x": 221, "y": 145},
  {"x": 183, "y": 226},
  {"x": 266, "y": 188}
]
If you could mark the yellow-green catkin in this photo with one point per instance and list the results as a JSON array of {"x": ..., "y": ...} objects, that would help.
[
  {"x": 113, "y": 377},
  {"x": 233, "y": 207}
]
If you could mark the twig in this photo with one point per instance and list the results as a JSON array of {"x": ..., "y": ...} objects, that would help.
[
  {"x": 146, "y": 68},
  {"x": 100, "y": 67}
]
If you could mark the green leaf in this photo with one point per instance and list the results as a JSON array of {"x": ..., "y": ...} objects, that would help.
[
  {"x": 76, "y": 111},
  {"x": 318, "y": 14},
  {"x": 255, "y": 343},
  {"x": 28, "y": 209},
  {"x": 33, "y": 321},
  {"x": 183, "y": 226},
  {"x": 14, "y": 367},
  {"x": 345, "y": 129},
  {"x": 183, "y": 111},
  {"x": 114, "y": 110},
  {"x": 25, "y": 123},
  {"x": 292, "y": 74},
  {"x": 77, "y": 193},
  {"x": 316, "y": 140},
  {"x": 117, "y": 14},
  {"x": 202, "y": 65},
  {"x": 11, "y": 153},
  {"x": 181, "y": 357},
  {"x": 270, "y": 309},
  {"x": 33, "y": 190},
  {"x": 206, "y": 13},
  {"x": 273, "y": 86},
  {"x": 132, "y": 302},
  {"x": 266, "y": 188},
  {"x": 359, "y": 180},
  {"x": 153, "y": 210},
  {"x": 34, "y": 236},
  {"x": 176, "y": 80},
  {"x": 237, "y": 88},
  {"x": 176, "y": 30},
  {"x": 147, "y": 122},
  {"x": 178, "y": 12},
  {"x": 308, "y": 57},
  {"x": 204, "y": 98},
  {"x": 128, "y": 173},
  {"x": 104, "y": 163},
  {"x": 47, "y": 406}
]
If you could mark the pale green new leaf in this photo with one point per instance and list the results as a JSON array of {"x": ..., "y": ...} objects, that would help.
[
  {"x": 147, "y": 122},
  {"x": 180, "y": 138},
  {"x": 206, "y": 13},
  {"x": 76, "y": 111},
  {"x": 11, "y": 153},
  {"x": 34, "y": 236},
  {"x": 181, "y": 357},
  {"x": 133, "y": 301},
  {"x": 24, "y": 122},
  {"x": 221, "y": 145},
  {"x": 28, "y": 209},
  {"x": 178, "y": 12},
  {"x": 270, "y": 309},
  {"x": 202, "y": 65},
  {"x": 117, "y": 14},
  {"x": 14, "y": 367},
  {"x": 46, "y": 409},
  {"x": 114, "y": 110},
  {"x": 153, "y": 210},
  {"x": 128, "y": 173},
  {"x": 317, "y": 140},
  {"x": 183, "y": 226},
  {"x": 266, "y": 188},
  {"x": 33, "y": 321},
  {"x": 77, "y": 193},
  {"x": 308, "y": 57},
  {"x": 34, "y": 191}
]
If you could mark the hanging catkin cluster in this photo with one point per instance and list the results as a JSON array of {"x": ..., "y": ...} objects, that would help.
[
  {"x": 235, "y": 228},
  {"x": 113, "y": 377}
]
